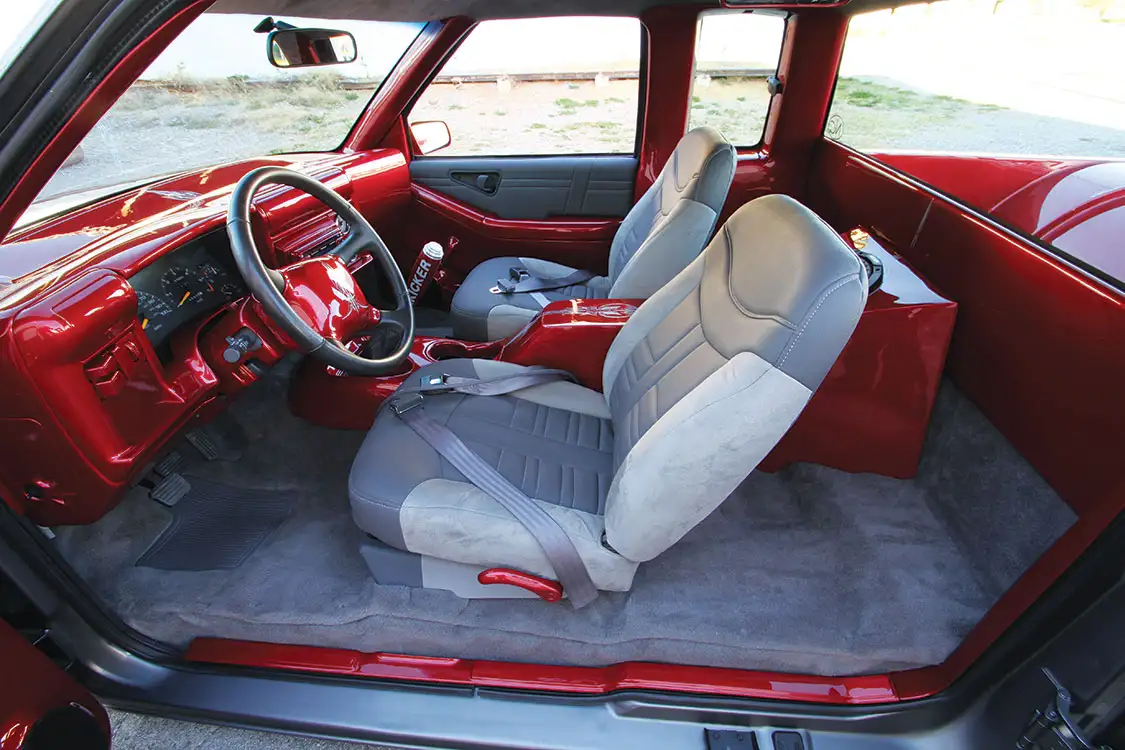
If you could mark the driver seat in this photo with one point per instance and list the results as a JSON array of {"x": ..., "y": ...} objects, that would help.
[{"x": 699, "y": 385}]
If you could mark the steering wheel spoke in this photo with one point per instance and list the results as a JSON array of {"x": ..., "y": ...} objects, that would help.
[
  {"x": 316, "y": 301},
  {"x": 400, "y": 318},
  {"x": 355, "y": 242}
]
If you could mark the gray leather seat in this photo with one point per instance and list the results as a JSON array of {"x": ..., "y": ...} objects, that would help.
[
  {"x": 663, "y": 232},
  {"x": 699, "y": 385}
]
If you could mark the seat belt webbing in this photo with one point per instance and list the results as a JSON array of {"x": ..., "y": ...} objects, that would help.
[
  {"x": 522, "y": 281},
  {"x": 551, "y": 537}
]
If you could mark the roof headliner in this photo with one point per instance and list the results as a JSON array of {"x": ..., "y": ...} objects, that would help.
[{"x": 430, "y": 10}]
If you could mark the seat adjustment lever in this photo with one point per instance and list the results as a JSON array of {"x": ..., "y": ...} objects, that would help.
[{"x": 544, "y": 588}]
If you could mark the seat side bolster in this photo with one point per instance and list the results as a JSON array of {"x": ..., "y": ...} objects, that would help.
[
  {"x": 697, "y": 453},
  {"x": 646, "y": 318},
  {"x": 677, "y": 241},
  {"x": 506, "y": 319},
  {"x": 457, "y": 521}
]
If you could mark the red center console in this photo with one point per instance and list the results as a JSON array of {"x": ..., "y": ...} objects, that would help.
[
  {"x": 571, "y": 335},
  {"x": 872, "y": 410}
]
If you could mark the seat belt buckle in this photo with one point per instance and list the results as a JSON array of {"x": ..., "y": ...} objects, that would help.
[
  {"x": 503, "y": 286},
  {"x": 508, "y": 285},
  {"x": 402, "y": 404}
]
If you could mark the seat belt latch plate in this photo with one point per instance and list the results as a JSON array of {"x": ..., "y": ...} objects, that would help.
[{"x": 402, "y": 404}]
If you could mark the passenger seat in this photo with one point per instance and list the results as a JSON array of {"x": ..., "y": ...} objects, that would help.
[{"x": 661, "y": 236}]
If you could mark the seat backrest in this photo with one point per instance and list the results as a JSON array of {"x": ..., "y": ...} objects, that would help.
[
  {"x": 673, "y": 220},
  {"x": 711, "y": 371}
]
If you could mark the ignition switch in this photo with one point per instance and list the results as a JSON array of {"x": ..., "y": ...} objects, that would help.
[{"x": 239, "y": 344}]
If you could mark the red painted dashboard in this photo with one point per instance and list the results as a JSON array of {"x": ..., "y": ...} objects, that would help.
[{"x": 87, "y": 400}]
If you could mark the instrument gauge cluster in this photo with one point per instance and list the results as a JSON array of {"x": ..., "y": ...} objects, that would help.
[{"x": 190, "y": 281}]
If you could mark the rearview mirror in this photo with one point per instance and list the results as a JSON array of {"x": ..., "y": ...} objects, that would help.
[
  {"x": 302, "y": 48},
  {"x": 431, "y": 136}
]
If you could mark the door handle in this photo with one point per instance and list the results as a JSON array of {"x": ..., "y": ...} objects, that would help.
[{"x": 486, "y": 182}]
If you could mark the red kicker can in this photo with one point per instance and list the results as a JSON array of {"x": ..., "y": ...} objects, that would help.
[{"x": 425, "y": 268}]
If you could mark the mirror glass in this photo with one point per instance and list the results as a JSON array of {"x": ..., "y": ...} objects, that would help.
[
  {"x": 302, "y": 48},
  {"x": 430, "y": 136}
]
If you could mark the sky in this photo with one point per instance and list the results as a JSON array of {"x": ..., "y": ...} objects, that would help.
[{"x": 16, "y": 25}]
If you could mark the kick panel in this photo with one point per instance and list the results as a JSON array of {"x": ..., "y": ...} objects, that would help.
[{"x": 533, "y": 187}]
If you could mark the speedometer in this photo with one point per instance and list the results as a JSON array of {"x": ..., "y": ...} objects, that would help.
[{"x": 181, "y": 286}]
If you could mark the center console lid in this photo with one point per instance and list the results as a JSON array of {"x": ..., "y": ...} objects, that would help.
[{"x": 572, "y": 335}]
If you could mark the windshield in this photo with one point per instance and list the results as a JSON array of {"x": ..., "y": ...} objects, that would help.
[{"x": 213, "y": 97}]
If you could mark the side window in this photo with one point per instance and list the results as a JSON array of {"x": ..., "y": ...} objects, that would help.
[
  {"x": 1037, "y": 81},
  {"x": 735, "y": 52},
  {"x": 967, "y": 77},
  {"x": 542, "y": 86}
]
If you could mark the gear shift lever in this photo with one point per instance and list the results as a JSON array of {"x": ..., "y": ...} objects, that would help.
[{"x": 425, "y": 269}]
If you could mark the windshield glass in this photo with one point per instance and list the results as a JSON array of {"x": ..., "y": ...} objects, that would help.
[
  {"x": 213, "y": 97},
  {"x": 21, "y": 21}
]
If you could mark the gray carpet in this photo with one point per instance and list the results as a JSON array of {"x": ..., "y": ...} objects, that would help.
[{"x": 809, "y": 570}]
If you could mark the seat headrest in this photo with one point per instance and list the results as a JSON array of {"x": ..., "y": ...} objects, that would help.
[{"x": 700, "y": 168}]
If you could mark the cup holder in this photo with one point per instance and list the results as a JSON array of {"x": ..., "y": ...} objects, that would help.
[{"x": 443, "y": 349}]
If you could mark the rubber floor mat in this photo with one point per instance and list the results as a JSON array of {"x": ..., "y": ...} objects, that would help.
[{"x": 216, "y": 527}]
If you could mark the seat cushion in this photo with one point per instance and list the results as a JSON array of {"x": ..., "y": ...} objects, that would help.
[
  {"x": 480, "y": 315},
  {"x": 554, "y": 442}
]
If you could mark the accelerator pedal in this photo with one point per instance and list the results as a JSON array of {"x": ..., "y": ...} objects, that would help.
[
  {"x": 170, "y": 490},
  {"x": 221, "y": 440}
]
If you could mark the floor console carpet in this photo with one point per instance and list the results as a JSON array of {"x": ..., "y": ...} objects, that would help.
[{"x": 809, "y": 570}]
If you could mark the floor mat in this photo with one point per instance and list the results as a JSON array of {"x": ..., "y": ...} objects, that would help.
[
  {"x": 216, "y": 527},
  {"x": 808, "y": 570}
]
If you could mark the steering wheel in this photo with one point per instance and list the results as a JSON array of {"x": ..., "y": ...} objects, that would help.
[{"x": 317, "y": 302}]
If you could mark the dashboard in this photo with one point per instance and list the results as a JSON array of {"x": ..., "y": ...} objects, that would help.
[
  {"x": 91, "y": 388},
  {"x": 192, "y": 280}
]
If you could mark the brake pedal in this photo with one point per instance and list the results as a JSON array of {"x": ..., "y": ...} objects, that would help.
[{"x": 170, "y": 490}]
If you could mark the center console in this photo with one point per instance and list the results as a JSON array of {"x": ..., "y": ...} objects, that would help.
[{"x": 571, "y": 335}]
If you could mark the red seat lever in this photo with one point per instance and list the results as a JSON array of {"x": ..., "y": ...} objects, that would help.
[{"x": 544, "y": 588}]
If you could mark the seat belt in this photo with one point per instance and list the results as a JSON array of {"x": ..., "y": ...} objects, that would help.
[
  {"x": 498, "y": 386},
  {"x": 551, "y": 537},
  {"x": 521, "y": 280}
]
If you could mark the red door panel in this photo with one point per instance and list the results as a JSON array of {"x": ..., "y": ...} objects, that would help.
[
  {"x": 980, "y": 181},
  {"x": 41, "y": 703},
  {"x": 582, "y": 243},
  {"x": 1037, "y": 342}
]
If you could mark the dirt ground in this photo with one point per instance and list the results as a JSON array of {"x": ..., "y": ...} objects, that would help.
[{"x": 157, "y": 130}]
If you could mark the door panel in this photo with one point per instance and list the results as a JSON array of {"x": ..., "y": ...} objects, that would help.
[
  {"x": 40, "y": 705},
  {"x": 578, "y": 242},
  {"x": 982, "y": 181},
  {"x": 1036, "y": 343},
  {"x": 533, "y": 187}
]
